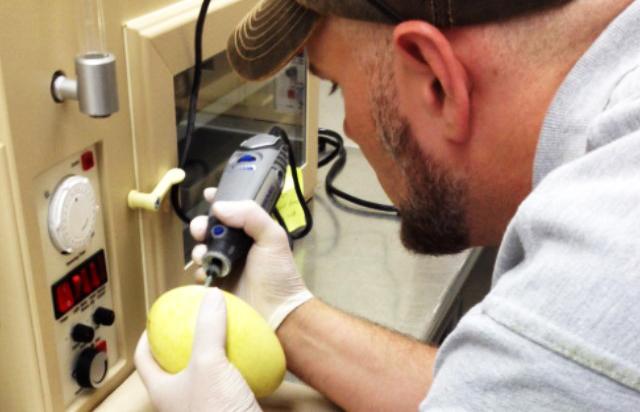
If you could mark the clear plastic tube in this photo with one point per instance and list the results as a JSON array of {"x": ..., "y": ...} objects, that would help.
[{"x": 91, "y": 28}]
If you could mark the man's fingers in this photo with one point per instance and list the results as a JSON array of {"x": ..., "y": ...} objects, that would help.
[
  {"x": 198, "y": 252},
  {"x": 210, "y": 193},
  {"x": 152, "y": 375},
  {"x": 211, "y": 326},
  {"x": 200, "y": 276},
  {"x": 250, "y": 217},
  {"x": 198, "y": 227}
]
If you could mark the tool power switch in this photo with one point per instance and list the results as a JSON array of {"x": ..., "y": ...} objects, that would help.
[
  {"x": 104, "y": 316},
  {"x": 247, "y": 159}
]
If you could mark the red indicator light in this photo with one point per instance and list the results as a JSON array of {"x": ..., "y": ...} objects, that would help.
[
  {"x": 76, "y": 281},
  {"x": 64, "y": 298},
  {"x": 87, "y": 160},
  {"x": 86, "y": 286},
  {"x": 95, "y": 279},
  {"x": 101, "y": 346}
]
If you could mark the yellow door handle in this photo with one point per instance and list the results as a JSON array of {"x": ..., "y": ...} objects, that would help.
[{"x": 151, "y": 201}]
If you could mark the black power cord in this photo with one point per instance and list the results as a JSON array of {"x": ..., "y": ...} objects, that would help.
[
  {"x": 191, "y": 116},
  {"x": 298, "y": 234},
  {"x": 331, "y": 138}
]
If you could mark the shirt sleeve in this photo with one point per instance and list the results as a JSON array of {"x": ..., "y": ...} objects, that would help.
[{"x": 484, "y": 366}]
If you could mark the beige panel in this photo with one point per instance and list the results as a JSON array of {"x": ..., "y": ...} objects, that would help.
[
  {"x": 38, "y": 38},
  {"x": 18, "y": 352},
  {"x": 173, "y": 38},
  {"x": 36, "y": 134},
  {"x": 153, "y": 124}
]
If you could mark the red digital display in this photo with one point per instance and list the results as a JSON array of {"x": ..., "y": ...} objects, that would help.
[{"x": 78, "y": 284}]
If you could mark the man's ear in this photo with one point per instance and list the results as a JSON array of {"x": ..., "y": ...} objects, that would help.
[{"x": 435, "y": 80}]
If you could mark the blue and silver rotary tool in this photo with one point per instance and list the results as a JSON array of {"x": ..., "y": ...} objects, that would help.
[{"x": 256, "y": 171}]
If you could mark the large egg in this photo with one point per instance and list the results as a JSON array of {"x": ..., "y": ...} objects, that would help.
[{"x": 252, "y": 346}]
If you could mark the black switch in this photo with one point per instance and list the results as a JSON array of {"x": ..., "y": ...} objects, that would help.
[
  {"x": 104, "y": 316},
  {"x": 82, "y": 333}
]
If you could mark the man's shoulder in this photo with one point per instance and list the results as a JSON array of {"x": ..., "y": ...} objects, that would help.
[
  {"x": 568, "y": 273},
  {"x": 484, "y": 365}
]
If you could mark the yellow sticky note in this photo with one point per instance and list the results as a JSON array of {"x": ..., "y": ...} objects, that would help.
[{"x": 288, "y": 205}]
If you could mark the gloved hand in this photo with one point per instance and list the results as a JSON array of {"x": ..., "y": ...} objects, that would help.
[
  {"x": 210, "y": 382},
  {"x": 270, "y": 282}
]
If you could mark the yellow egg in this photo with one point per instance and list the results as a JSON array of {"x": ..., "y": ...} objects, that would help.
[{"x": 251, "y": 346}]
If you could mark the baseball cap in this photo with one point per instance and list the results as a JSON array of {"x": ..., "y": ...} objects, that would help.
[{"x": 276, "y": 30}]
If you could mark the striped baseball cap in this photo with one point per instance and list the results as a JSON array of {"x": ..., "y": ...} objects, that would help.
[{"x": 276, "y": 30}]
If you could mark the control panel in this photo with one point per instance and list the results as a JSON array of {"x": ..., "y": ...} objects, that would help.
[
  {"x": 291, "y": 85},
  {"x": 73, "y": 241}
]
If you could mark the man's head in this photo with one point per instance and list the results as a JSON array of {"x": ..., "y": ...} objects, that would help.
[{"x": 448, "y": 116}]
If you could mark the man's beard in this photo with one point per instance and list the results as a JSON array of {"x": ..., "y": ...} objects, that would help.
[
  {"x": 433, "y": 211},
  {"x": 432, "y": 215}
]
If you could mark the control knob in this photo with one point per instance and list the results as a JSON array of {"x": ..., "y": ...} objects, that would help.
[
  {"x": 91, "y": 368},
  {"x": 104, "y": 316},
  {"x": 82, "y": 333}
]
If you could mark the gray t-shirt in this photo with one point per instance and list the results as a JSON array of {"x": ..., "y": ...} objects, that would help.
[{"x": 560, "y": 329}]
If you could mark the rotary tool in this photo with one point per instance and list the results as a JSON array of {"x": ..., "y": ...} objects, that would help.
[{"x": 256, "y": 171}]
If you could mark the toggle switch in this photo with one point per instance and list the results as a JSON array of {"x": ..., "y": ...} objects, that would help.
[{"x": 64, "y": 298}]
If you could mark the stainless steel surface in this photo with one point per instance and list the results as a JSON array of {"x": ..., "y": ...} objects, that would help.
[
  {"x": 356, "y": 262},
  {"x": 467, "y": 289}
]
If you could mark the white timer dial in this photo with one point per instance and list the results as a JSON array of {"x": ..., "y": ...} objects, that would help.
[{"x": 72, "y": 214}]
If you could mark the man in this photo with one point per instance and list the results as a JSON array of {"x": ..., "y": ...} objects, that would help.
[{"x": 486, "y": 122}]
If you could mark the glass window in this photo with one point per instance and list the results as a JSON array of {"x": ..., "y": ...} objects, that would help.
[{"x": 231, "y": 110}]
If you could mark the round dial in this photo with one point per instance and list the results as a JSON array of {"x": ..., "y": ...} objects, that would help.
[
  {"x": 72, "y": 214},
  {"x": 91, "y": 367}
]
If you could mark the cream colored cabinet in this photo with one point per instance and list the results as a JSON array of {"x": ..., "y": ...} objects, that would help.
[{"x": 78, "y": 266}]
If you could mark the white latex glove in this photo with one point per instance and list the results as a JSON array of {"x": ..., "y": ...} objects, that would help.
[
  {"x": 209, "y": 382},
  {"x": 270, "y": 282}
]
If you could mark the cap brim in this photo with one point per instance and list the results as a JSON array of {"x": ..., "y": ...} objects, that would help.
[{"x": 269, "y": 37}]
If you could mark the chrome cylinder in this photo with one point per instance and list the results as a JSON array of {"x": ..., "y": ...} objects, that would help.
[{"x": 97, "y": 87}]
